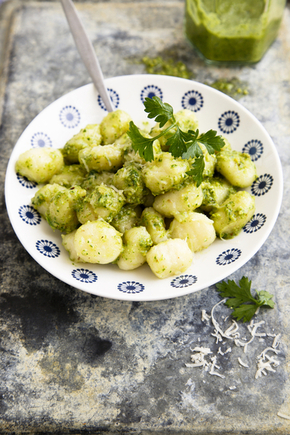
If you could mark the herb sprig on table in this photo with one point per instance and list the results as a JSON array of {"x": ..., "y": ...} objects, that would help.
[
  {"x": 241, "y": 300},
  {"x": 181, "y": 144}
]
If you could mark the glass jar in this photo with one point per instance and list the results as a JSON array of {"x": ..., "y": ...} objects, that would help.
[{"x": 233, "y": 30}]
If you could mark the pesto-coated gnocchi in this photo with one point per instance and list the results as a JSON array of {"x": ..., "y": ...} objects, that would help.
[
  {"x": 169, "y": 258},
  {"x": 233, "y": 214},
  {"x": 114, "y": 125},
  {"x": 112, "y": 206},
  {"x": 103, "y": 202},
  {"x": 236, "y": 167},
  {"x": 129, "y": 179},
  {"x": 39, "y": 164},
  {"x": 215, "y": 191},
  {"x": 127, "y": 218},
  {"x": 137, "y": 242},
  {"x": 178, "y": 203},
  {"x": 61, "y": 214},
  {"x": 88, "y": 137},
  {"x": 44, "y": 196},
  {"x": 155, "y": 225},
  {"x": 196, "y": 228},
  {"x": 95, "y": 242},
  {"x": 69, "y": 176},
  {"x": 165, "y": 173},
  {"x": 101, "y": 158}
]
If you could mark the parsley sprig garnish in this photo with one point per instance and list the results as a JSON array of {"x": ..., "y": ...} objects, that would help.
[
  {"x": 241, "y": 300},
  {"x": 181, "y": 144}
]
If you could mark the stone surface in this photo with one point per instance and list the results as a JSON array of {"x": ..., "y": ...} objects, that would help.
[{"x": 75, "y": 363}]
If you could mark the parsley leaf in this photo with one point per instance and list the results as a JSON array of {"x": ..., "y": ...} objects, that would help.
[
  {"x": 241, "y": 300},
  {"x": 162, "y": 112},
  {"x": 193, "y": 149},
  {"x": 177, "y": 144},
  {"x": 181, "y": 144},
  {"x": 197, "y": 169},
  {"x": 211, "y": 141},
  {"x": 141, "y": 144}
]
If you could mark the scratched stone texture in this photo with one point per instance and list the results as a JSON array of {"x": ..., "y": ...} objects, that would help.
[{"x": 75, "y": 363}]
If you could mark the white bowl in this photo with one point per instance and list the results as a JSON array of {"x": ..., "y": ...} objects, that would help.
[{"x": 214, "y": 110}]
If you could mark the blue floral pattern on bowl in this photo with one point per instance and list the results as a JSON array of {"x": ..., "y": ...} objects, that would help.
[
  {"x": 41, "y": 140},
  {"x": 84, "y": 275},
  {"x": 131, "y": 287},
  {"x": 228, "y": 256},
  {"x": 69, "y": 116},
  {"x": 262, "y": 185},
  {"x": 47, "y": 248},
  {"x": 229, "y": 122},
  {"x": 192, "y": 100},
  {"x": 151, "y": 91},
  {"x": 25, "y": 182},
  {"x": 255, "y": 148},
  {"x": 255, "y": 224},
  {"x": 183, "y": 281},
  {"x": 114, "y": 97},
  {"x": 29, "y": 215}
]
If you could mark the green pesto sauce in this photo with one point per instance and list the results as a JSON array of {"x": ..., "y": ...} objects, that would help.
[
  {"x": 234, "y": 87},
  {"x": 233, "y": 31},
  {"x": 159, "y": 65}
]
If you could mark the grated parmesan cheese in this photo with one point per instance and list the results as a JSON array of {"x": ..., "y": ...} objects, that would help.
[
  {"x": 204, "y": 316},
  {"x": 276, "y": 341},
  {"x": 265, "y": 361},
  {"x": 213, "y": 365},
  {"x": 198, "y": 358},
  {"x": 242, "y": 363},
  {"x": 282, "y": 415},
  {"x": 252, "y": 327}
]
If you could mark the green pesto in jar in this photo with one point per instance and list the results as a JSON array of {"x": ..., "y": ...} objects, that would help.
[{"x": 233, "y": 31}]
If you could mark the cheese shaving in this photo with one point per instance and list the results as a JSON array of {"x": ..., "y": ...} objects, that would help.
[
  {"x": 253, "y": 330},
  {"x": 242, "y": 363},
  {"x": 276, "y": 341},
  {"x": 282, "y": 415},
  {"x": 213, "y": 365},
  {"x": 204, "y": 316},
  {"x": 265, "y": 361},
  {"x": 198, "y": 358},
  {"x": 264, "y": 366}
]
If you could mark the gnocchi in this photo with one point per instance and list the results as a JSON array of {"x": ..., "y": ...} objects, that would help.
[
  {"x": 39, "y": 164},
  {"x": 94, "y": 242},
  {"x": 169, "y": 258},
  {"x": 111, "y": 206},
  {"x": 137, "y": 242},
  {"x": 236, "y": 167},
  {"x": 197, "y": 229}
]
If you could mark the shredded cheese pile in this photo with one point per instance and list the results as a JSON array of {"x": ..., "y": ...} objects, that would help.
[{"x": 204, "y": 357}]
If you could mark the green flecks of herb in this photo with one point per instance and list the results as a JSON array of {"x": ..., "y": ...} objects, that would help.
[
  {"x": 161, "y": 66},
  {"x": 181, "y": 144},
  {"x": 241, "y": 300},
  {"x": 234, "y": 87}
]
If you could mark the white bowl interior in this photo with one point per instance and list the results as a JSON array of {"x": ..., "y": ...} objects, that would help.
[{"x": 214, "y": 110}]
